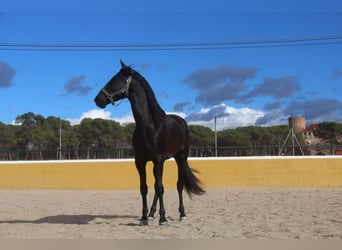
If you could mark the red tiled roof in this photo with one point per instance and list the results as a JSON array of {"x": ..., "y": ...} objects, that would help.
[{"x": 312, "y": 127}]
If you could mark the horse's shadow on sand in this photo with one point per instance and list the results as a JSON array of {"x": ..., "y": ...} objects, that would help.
[{"x": 82, "y": 219}]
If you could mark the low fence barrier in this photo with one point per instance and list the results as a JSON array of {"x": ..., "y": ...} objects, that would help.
[
  {"x": 124, "y": 153},
  {"x": 214, "y": 172}
]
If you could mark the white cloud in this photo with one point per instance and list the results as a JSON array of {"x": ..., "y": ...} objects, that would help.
[
  {"x": 100, "y": 113},
  {"x": 228, "y": 118},
  {"x": 94, "y": 113},
  {"x": 124, "y": 119},
  {"x": 273, "y": 117}
]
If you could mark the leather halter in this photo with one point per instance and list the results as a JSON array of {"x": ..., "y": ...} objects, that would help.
[{"x": 124, "y": 89}]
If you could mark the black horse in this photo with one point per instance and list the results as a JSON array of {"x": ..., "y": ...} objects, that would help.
[{"x": 156, "y": 138}]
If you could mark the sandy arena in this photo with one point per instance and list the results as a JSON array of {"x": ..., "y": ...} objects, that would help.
[{"x": 230, "y": 213}]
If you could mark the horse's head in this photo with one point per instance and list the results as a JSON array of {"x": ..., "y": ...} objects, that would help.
[{"x": 117, "y": 88}]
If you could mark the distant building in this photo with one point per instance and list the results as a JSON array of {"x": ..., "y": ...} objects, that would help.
[
  {"x": 310, "y": 130},
  {"x": 297, "y": 123}
]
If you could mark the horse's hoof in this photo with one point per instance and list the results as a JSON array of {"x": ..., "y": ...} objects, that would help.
[
  {"x": 163, "y": 223},
  {"x": 182, "y": 218},
  {"x": 150, "y": 218},
  {"x": 144, "y": 223}
]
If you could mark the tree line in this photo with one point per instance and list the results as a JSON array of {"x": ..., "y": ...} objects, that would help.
[{"x": 36, "y": 137}]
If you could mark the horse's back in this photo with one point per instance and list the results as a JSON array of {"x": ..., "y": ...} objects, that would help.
[
  {"x": 181, "y": 122},
  {"x": 178, "y": 125}
]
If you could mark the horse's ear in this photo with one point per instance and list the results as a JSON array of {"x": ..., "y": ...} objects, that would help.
[{"x": 122, "y": 64}]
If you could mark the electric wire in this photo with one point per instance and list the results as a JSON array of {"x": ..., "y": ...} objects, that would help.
[{"x": 243, "y": 44}]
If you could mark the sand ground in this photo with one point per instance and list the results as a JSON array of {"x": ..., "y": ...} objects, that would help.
[{"x": 229, "y": 213}]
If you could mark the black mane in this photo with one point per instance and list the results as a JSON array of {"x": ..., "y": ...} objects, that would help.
[{"x": 156, "y": 110}]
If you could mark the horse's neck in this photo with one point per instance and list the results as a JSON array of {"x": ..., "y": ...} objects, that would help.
[
  {"x": 145, "y": 114},
  {"x": 141, "y": 113}
]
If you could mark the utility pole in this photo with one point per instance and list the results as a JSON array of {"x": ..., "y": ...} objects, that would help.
[
  {"x": 215, "y": 136},
  {"x": 60, "y": 138}
]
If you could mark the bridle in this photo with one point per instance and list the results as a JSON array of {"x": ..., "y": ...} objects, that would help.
[{"x": 124, "y": 89}]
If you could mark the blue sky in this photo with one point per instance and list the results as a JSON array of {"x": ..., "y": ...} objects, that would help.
[{"x": 253, "y": 84}]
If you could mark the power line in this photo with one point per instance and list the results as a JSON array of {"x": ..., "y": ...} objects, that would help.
[
  {"x": 271, "y": 43},
  {"x": 99, "y": 49}
]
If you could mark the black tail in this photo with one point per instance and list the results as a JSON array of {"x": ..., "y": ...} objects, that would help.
[{"x": 191, "y": 182}]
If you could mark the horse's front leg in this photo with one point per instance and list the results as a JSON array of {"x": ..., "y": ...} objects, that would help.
[
  {"x": 159, "y": 189},
  {"x": 141, "y": 167}
]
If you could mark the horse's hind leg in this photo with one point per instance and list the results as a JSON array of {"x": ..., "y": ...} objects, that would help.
[
  {"x": 154, "y": 206},
  {"x": 181, "y": 161}
]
